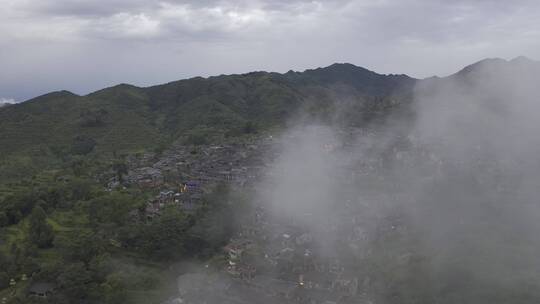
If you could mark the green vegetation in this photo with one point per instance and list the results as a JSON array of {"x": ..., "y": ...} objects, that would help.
[
  {"x": 91, "y": 245},
  {"x": 40, "y": 232},
  {"x": 61, "y": 127},
  {"x": 58, "y": 225}
]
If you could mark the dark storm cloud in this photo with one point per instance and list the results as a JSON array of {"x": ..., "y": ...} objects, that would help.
[{"x": 85, "y": 45}]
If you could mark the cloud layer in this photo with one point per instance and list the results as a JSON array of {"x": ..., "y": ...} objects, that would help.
[{"x": 83, "y": 45}]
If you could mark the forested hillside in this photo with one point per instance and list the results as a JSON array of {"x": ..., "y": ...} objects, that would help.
[
  {"x": 336, "y": 184},
  {"x": 126, "y": 119}
]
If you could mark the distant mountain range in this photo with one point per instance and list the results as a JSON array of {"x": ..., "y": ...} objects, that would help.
[{"x": 126, "y": 118}]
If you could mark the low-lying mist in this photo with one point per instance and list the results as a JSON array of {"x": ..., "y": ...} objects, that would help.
[
  {"x": 434, "y": 202},
  {"x": 441, "y": 210}
]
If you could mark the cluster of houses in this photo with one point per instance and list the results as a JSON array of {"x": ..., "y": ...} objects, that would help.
[
  {"x": 284, "y": 261},
  {"x": 188, "y": 198},
  {"x": 183, "y": 173},
  {"x": 272, "y": 259}
]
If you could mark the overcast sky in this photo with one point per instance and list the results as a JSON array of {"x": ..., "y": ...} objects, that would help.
[{"x": 85, "y": 45}]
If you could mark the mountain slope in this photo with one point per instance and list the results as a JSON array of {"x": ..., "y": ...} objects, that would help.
[{"x": 126, "y": 118}]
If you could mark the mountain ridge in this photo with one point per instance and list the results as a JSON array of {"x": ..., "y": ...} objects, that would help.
[
  {"x": 338, "y": 66},
  {"x": 497, "y": 63},
  {"x": 126, "y": 118},
  {"x": 332, "y": 67}
]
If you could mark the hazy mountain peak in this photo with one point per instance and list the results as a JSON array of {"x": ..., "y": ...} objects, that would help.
[
  {"x": 497, "y": 65},
  {"x": 523, "y": 59},
  {"x": 481, "y": 64}
]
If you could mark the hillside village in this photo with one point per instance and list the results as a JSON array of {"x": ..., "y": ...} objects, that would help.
[
  {"x": 296, "y": 259},
  {"x": 103, "y": 197},
  {"x": 274, "y": 259},
  {"x": 183, "y": 173}
]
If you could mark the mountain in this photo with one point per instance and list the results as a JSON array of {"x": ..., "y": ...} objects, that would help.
[
  {"x": 438, "y": 205},
  {"x": 496, "y": 66},
  {"x": 127, "y": 119}
]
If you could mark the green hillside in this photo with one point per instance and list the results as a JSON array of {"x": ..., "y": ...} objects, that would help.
[
  {"x": 445, "y": 216},
  {"x": 44, "y": 131}
]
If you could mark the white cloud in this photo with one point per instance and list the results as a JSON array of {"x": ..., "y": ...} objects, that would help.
[
  {"x": 4, "y": 101},
  {"x": 82, "y": 45},
  {"x": 125, "y": 25}
]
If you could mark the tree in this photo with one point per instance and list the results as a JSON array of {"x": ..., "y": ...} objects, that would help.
[
  {"x": 76, "y": 281},
  {"x": 120, "y": 168},
  {"x": 56, "y": 196},
  {"x": 4, "y": 276},
  {"x": 4, "y": 221},
  {"x": 78, "y": 166},
  {"x": 249, "y": 128},
  {"x": 4, "y": 279},
  {"x": 197, "y": 137},
  {"x": 81, "y": 246},
  {"x": 17, "y": 206},
  {"x": 164, "y": 238},
  {"x": 40, "y": 233},
  {"x": 215, "y": 223},
  {"x": 81, "y": 189},
  {"x": 82, "y": 145},
  {"x": 113, "y": 290},
  {"x": 92, "y": 118},
  {"x": 112, "y": 207}
]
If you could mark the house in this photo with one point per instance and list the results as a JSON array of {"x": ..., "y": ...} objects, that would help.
[
  {"x": 166, "y": 196},
  {"x": 347, "y": 286},
  {"x": 273, "y": 287},
  {"x": 192, "y": 186},
  {"x": 41, "y": 289},
  {"x": 246, "y": 272},
  {"x": 146, "y": 178},
  {"x": 335, "y": 266},
  {"x": 304, "y": 239},
  {"x": 225, "y": 174},
  {"x": 248, "y": 231},
  {"x": 313, "y": 296}
]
